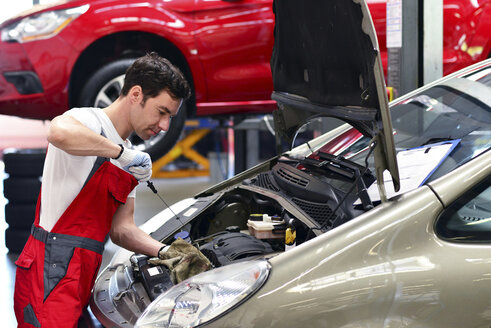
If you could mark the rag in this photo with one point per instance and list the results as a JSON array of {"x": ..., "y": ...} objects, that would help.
[{"x": 183, "y": 260}]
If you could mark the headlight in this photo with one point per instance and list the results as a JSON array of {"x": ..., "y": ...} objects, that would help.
[
  {"x": 206, "y": 296},
  {"x": 41, "y": 26}
]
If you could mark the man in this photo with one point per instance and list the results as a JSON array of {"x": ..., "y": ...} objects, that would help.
[{"x": 88, "y": 191}]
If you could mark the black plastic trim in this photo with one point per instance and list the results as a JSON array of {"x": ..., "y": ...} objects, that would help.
[{"x": 26, "y": 82}]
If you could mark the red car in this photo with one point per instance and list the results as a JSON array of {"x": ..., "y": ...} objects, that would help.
[{"x": 75, "y": 53}]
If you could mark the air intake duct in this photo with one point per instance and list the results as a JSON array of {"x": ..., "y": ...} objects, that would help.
[{"x": 303, "y": 185}]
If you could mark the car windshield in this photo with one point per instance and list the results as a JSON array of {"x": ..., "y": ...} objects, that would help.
[{"x": 458, "y": 110}]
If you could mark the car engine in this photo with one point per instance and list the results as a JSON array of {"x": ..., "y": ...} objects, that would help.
[{"x": 249, "y": 220}]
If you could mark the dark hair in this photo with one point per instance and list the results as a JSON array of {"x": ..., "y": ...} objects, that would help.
[{"x": 155, "y": 74}]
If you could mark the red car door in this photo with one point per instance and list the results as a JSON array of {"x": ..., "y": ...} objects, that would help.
[{"x": 234, "y": 40}]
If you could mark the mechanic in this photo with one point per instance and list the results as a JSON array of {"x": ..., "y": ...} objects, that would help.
[{"x": 88, "y": 191}]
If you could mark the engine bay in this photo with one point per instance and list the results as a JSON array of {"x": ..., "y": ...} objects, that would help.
[{"x": 259, "y": 217}]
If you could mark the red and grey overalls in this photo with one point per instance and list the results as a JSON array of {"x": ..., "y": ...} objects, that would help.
[{"x": 56, "y": 270}]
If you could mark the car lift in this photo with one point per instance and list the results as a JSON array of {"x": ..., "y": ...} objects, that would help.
[
  {"x": 199, "y": 129},
  {"x": 243, "y": 145}
]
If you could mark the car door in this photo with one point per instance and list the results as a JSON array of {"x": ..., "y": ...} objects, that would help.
[{"x": 234, "y": 40}]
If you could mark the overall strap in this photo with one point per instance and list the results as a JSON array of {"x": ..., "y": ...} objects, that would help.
[{"x": 98, "y": 162}]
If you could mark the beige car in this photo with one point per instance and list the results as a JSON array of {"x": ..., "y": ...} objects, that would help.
[{"x": 385, "y": 222}]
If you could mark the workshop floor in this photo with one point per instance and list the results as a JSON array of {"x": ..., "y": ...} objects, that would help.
[{"x": 147, "y": 205}]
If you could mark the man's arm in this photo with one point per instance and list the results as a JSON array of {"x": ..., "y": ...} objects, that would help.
[
  {"x": 126, "y": 234},
  {"x": 69, "y": 134},
  {"x": 73, "y": 137}
]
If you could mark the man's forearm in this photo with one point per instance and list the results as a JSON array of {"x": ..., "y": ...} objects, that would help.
[
  {"x": 136, "y": 240},
  {"x": 71, "y": 136}
]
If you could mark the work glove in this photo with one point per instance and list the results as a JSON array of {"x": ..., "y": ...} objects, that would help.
[
  {"x": 137, "y": 163},
  {"x": 182, "y": 259}
]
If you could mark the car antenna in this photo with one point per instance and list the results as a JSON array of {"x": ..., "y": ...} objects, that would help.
[{"x": 154, "y": 190}]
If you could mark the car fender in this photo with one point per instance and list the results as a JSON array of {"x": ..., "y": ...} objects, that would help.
[
  {"x": 327, "y": 277},
  {"x": 175, "y": 27}
]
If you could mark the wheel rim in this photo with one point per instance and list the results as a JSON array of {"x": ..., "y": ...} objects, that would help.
[
  {"x": 144, "y": 145},
  {"x": 107, "y": 95},
  {"x": 109, "y": 92}
]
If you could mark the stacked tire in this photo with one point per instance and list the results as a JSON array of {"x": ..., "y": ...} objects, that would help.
[{"x": 24, "y": 168}]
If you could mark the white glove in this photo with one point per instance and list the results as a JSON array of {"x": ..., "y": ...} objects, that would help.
[
  {"x": 137, "y": 163},
  {"x": 140, "y": 173}
]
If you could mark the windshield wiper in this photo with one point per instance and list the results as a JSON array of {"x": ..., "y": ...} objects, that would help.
[{"x": 437, "y": 140}]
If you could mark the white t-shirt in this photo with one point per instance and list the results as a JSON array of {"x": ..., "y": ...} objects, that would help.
[{"x": 64, "y": 175}]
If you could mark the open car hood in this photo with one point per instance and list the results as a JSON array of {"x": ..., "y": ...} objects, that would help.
[{"x": 326, "y": 62}]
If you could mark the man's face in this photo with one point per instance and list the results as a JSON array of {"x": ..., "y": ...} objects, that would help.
[{"x": 155, "y": 115}]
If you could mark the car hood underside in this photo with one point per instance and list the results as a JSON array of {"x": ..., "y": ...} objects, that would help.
[{"x": 326, "y": 62}]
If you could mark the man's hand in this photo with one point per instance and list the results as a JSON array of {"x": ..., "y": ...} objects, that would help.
[{"x": 137, "y": 163}]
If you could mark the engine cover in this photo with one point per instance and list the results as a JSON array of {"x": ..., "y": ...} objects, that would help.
[{"x": 233, "y": 246}]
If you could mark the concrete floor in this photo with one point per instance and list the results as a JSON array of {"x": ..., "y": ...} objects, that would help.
[{"x": 147, "y": 205}]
